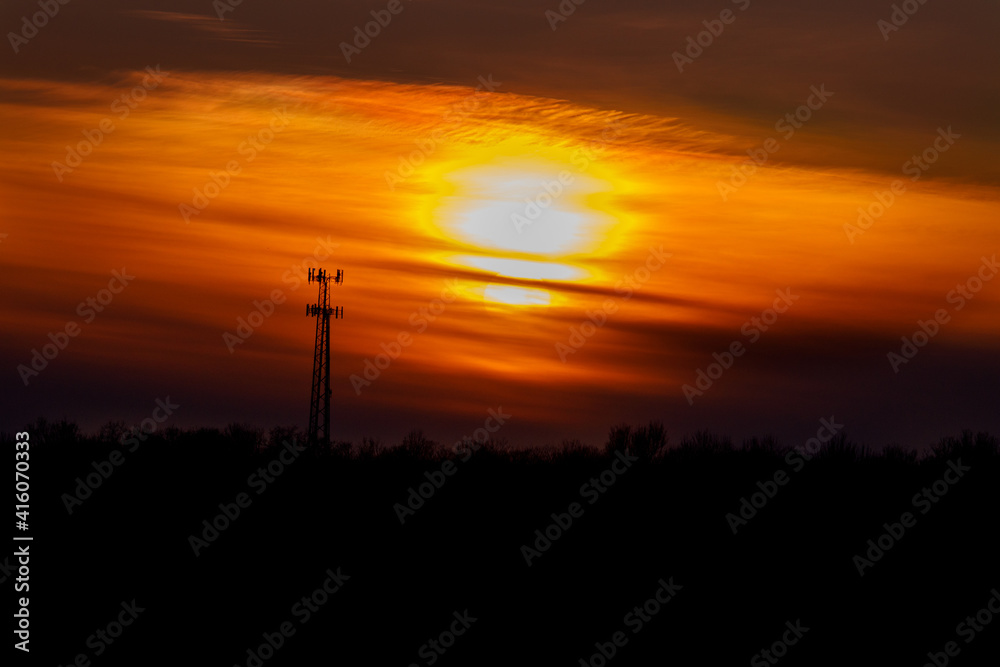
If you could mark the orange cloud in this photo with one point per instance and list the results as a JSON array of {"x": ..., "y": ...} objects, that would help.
[{"x": 412, "y": 189}]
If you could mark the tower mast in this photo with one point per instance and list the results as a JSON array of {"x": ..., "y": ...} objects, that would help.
[{"x": 319, "y": 406}]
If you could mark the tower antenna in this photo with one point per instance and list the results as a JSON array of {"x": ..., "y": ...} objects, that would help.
[{"x": 319, "y": 406}]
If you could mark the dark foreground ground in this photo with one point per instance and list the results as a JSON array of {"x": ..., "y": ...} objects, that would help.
[{"x": 454, "y": 572}]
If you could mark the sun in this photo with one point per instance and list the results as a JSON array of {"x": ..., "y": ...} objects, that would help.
[
  {"x": 537, "y": 215},
  {"x": 533, "y": 209}
]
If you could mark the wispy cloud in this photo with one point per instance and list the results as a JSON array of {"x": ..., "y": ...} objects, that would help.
[{"x": 228, "y": 30}]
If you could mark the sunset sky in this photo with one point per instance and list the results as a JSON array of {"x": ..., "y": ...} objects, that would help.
[{"x": 490, "y": 178}]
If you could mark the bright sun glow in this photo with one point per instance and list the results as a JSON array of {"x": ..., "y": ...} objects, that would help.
[
  {"x": 524, "y": 207},
  {"x": 526, "y": 217}
]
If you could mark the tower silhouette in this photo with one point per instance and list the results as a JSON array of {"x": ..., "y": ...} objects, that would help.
[{"x": 319, "y": 406}]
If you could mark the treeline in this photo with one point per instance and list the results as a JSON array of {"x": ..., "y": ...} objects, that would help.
[
  {"x": 648, "y": 443},
  {"x": 220, "y": 532}
]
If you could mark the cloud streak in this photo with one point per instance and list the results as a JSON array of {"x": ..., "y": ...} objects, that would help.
[{"x": 323, "y": 177}]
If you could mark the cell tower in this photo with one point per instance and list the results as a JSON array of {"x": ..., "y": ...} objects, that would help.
[{"x": 319, "y": 407}]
